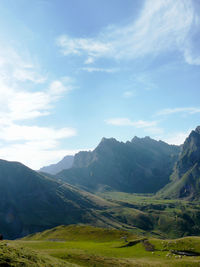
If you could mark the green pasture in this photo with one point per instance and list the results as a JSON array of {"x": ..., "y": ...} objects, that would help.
[{"x": 92, "y": 246}]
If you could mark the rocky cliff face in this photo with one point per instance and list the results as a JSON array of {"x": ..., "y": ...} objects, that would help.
[
  {"x": 185, "y": 180},
  {"x": 140, "y": 166}
]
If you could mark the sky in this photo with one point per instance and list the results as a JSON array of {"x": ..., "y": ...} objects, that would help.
[{"x": 74, "y": 71}]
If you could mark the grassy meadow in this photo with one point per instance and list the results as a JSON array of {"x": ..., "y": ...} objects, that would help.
[
  {"x": 91, "y": 246},
  {"x": 158, "y": 237}
]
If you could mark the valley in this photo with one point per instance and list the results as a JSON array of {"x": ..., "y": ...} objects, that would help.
[
  {"x": 123, "y": 204},
  {"x": 99, "y": 133}
]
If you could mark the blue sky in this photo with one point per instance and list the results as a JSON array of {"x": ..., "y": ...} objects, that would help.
[{"x": 72, "y": 72}]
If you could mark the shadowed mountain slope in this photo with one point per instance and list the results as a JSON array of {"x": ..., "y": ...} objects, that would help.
[
  {"x": 31, "y": 202},
  {"x": 185, "y": 180},
  {"x": 140, "y": 166}
]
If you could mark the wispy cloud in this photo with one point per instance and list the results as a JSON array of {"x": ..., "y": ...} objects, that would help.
[
  {"x": 28, "y": 74},
  {"x": 14, "y": 67},
  {"x": 20, "y": 104},
  {"x": 128, "y": 94},
  {"x": 162, "y": 26},
  {"x": 108, "y": 70},
  {"x": 39, "y": 153},
  {"x": 149, "y": 127},
  {"x": 33, "y": 145},
  {"x": 187, "y": 110},
  {"x": 17, "y": 101},
  {"x": 78, "y": 46},
  {"x": 176, "y": 138},
  {"x": 89, "y": 60},
  {"x": 20, "y": 139},
  {"x": 128, "y": 122},
  {"x": 15, "y": 132}
]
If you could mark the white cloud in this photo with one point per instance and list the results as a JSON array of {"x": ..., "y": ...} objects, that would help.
[
  {"x": 28, "y": 75},
  {"x": 188, "y": 110},
  {"x": 150, "y": 127},
  {"x": 57, "y": 87},
  {"x": 14, "y": 132},
  {"x": 18, "y": 104},
  {"x": 90, "y": 69},
  {"x": 17, "y": 101},
  {"x": 78, "y": 46},
  {"x": 176, "y": 138},
  {"x": 162, "y": 26},
  {"x": 14, "y": 67},
  {"x": 128, "y": 94},
  {"x": 128, "y": 122},
  {"x": 36, "y": 154},
  {"x": 89, "y": 60},
  {"x": 33, "y": 145}
]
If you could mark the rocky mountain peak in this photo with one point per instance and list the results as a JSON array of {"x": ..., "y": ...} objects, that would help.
[{"x": 197, "y": 130}]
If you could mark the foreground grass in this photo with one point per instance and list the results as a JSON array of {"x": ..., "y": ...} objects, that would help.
[
  {"x": 15, "y": 254},
  {"x": 87, "y": 253},
  {"x": 90, "y": 246}
]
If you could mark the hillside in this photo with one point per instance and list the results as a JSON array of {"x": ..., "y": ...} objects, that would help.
[
  {"x": 31, "y": 202},
  {"x": 185, "y": 179},
  {"x": 65, "y": 163},
  {"x": 140, "y": 166},
  {"x": 91, "y": 246},
  {"x": 16, "y": 255},
  {"x": 79, "y": 233}
]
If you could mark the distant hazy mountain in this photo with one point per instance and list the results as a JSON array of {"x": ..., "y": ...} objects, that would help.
[
  {"x": 65, "y": 163},
  {"x": 141, "y": 166},
  {"x": 31, "y": 202},
  {"x": 185, "y": 180}
]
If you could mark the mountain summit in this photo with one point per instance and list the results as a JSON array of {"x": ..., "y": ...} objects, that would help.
[
  {"x": 65, "y": 163},
  {"x": 140, "y": 166}
]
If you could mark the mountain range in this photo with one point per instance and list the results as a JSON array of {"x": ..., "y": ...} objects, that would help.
[
  {"x": 32, "y": 201},
  {"x": 64, "y": 164},
  {"x": 143, "y": 165}
]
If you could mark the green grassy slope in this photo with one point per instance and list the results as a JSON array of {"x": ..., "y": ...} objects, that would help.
[
  {"x": 91, "y": 246},
  {"x": 80, "y": 233},
  {"x": 16, "y": 255}
]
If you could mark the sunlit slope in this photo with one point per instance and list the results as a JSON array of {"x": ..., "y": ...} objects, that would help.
[
  {"x": 17, "y": 255},
  {"x": 80, "y": 233},
  {"x": 92, "y": 246}
]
